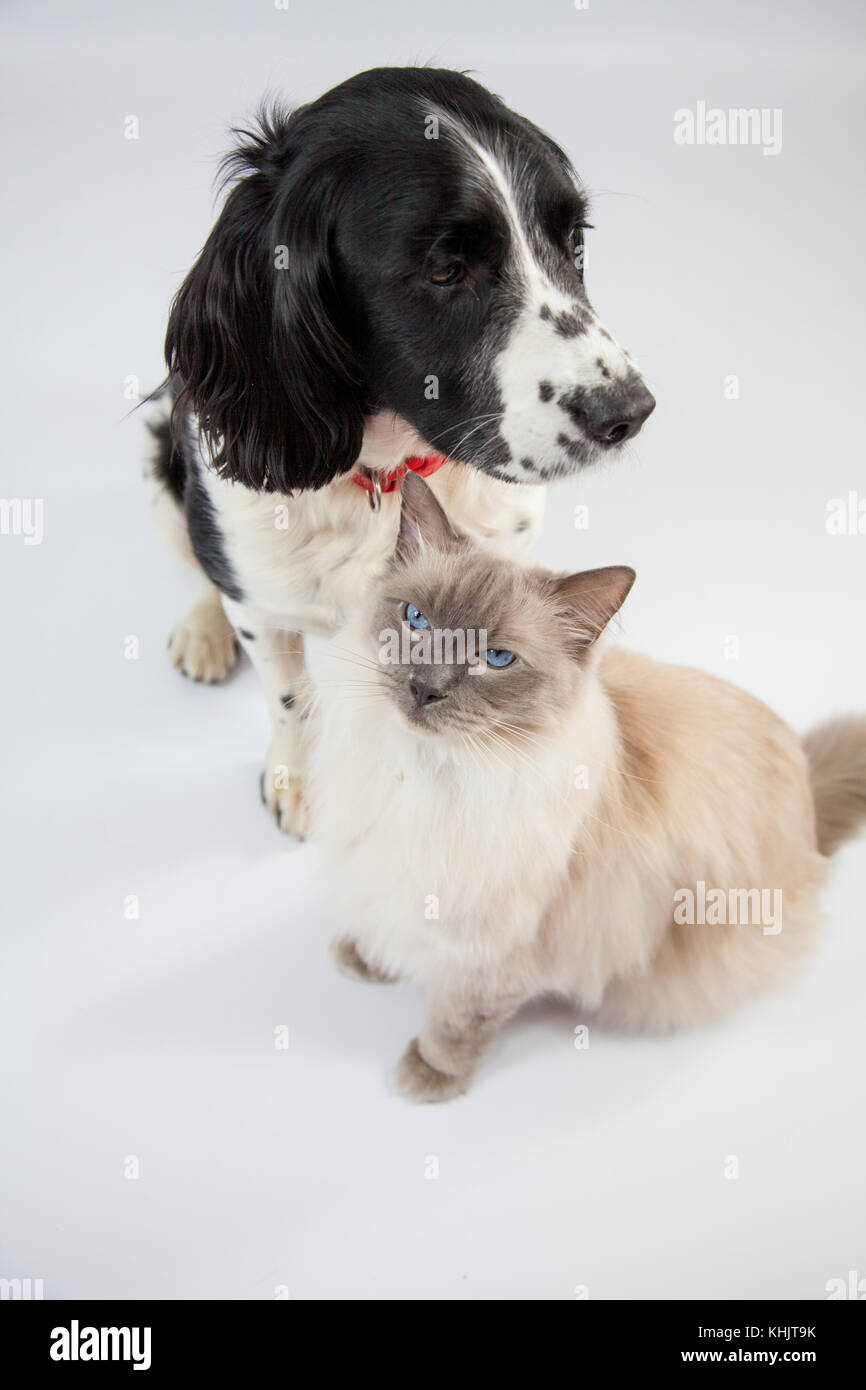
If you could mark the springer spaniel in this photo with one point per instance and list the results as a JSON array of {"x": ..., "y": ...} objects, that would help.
[{"x": 395, "y": 280}]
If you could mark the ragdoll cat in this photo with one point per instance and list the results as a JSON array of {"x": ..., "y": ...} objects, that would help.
[{"x": 528, "y": 814}]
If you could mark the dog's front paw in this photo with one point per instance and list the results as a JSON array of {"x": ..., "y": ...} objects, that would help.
[
  {"x": 418, "y": 1080},
  {"x": 203, "y": 645},
  {"x": 349, "y": 961},
  {"x": 283, "y": 795}
]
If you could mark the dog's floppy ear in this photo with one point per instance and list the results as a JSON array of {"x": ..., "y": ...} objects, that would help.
[{"x": 254, "y": 332}]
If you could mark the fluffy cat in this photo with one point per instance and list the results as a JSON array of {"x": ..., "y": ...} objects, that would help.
[{"x": 547, "y": 816}]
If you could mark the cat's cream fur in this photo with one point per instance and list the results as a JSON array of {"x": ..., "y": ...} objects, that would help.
[{"x": 541, "y": 851}]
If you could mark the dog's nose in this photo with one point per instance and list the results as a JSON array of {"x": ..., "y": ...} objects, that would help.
[
  {"x": 425, "y": 694},
  {"x": 611, "y": 419}
]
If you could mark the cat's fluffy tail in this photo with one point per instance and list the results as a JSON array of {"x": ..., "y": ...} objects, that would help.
[{"x": 837, "y": 758}]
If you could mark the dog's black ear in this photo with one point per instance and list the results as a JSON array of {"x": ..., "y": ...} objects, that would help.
[{"x": 254, "y": 335}]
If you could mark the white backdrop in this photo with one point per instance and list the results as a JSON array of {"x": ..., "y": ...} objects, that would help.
[{"x": 152, "y": 1038}]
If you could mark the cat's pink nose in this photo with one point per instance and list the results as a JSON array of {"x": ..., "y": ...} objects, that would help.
[{"x": 425, "y": 694}]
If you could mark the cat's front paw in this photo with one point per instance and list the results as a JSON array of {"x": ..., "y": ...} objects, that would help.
[
  {"x": 349, "y": 961},
  {"x": 418, "y": 1080},
  {"x": 283, "y": 795}
]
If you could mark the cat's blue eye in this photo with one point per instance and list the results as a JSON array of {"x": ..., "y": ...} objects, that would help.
[
  {"x": 497, "y": 656},
  {"x": 415, "y": 618}
]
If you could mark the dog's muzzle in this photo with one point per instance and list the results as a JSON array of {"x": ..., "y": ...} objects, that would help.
[{"x": 610, "y": 415}]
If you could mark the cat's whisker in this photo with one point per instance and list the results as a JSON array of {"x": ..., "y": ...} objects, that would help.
[
  {"x": 494, "y": 739},
  {"x": 359, "y": 698},
  {"x": 584, "y": 830},
  {"x": 525, "y": 761},
  {"x": 347, "y": 654},
  {"x": 563, "y": 799},
  {"x": 518, "y": 732},
  {"x": 475, "y": 752},
  {"x": 349, "y": 685},
  {"x": 524, "y": 735},
  {"x": 352, "y": 683}
]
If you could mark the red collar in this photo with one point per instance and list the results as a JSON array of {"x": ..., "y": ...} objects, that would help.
[{"x": 390, "y": 482}]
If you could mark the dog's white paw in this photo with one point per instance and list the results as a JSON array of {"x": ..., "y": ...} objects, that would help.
[
  {"x": 283, "y": 795},
  {"x": 203, "y": 645}
]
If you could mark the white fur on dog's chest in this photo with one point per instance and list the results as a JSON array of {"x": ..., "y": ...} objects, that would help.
[
  {"x": 300, "y": 560},
  {"x": 304, "y": 561}
]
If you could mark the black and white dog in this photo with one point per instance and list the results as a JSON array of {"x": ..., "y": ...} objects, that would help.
[{"x": 395, "y": 275}]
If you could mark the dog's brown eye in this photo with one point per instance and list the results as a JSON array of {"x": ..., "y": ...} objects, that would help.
[{"x": 448, "y": 275}]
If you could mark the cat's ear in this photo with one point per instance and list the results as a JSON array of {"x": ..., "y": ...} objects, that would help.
[
  {"x": 422, "y": 520},
  {"x": 587, "y": 601}
]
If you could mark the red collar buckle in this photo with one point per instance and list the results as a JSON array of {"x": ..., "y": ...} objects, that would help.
[{"x": 376, "y": 483}]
